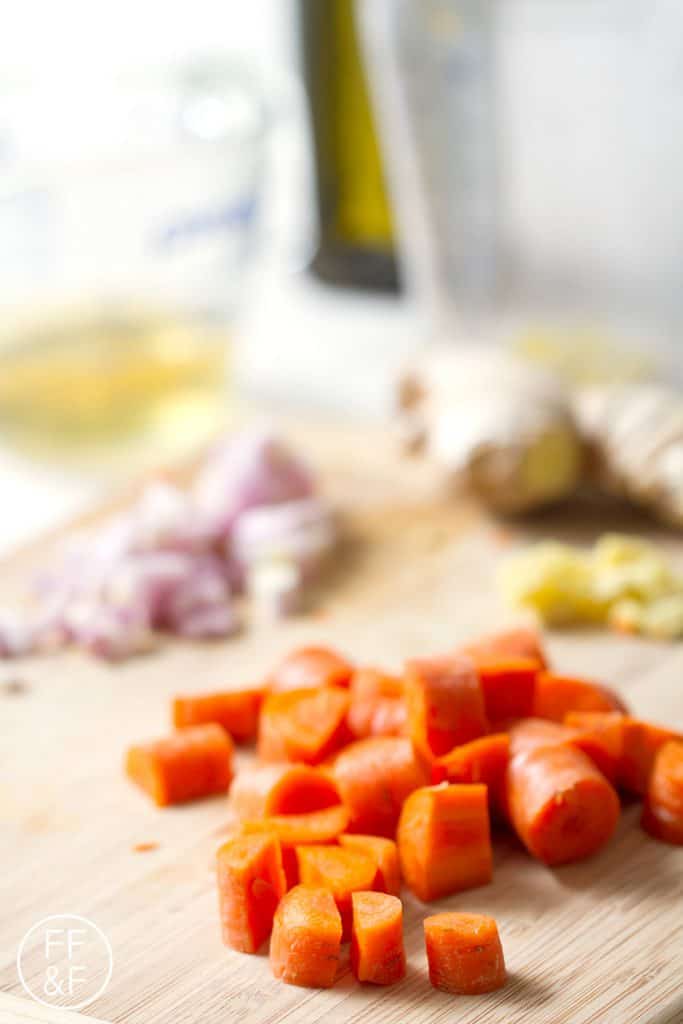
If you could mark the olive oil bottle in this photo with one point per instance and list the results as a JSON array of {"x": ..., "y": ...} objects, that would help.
[{"x": 356, "y": 236}]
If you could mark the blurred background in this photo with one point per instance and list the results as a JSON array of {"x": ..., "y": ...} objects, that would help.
[{"x": 281, "y": 203}]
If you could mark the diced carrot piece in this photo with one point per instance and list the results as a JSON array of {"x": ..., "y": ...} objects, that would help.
[
  {"x": 483, "y": 760},
  {"x": 308, "y": 668},
  {"x": 522, "y": 642},
  {"x": 530, "y": 733},
  {"x": 306, "y": 939},
  {"x": 303, "y": 725},
  {"x": 444, "y": 841},
  {"x": 377, "y": 953},
  {"x": 385, "y": 854},
  {"x": 342, "y": 871},
  {"x": 445, "y": 704},
  {"x": 251, "y": 883},
  {"x": 270, "y": 789},
  {"x": 560, "y": 805},
  {"x": 641, "y": 743},
  {"x": 663, "y": 810},
  {"x": 600, "y": 734},
  {"x": 374, "y": 777},
  {"x": 556, "y": 695},
  {"x": 508, "y": 685},
  {"x": 464, "y": 953},
  {"x": 601, "y": 743},
  {"x": 293, "y": 829},
  {"x": 378, "y": 706},
  {"x": 187, "y": 765},
  {"x": 236, "y": 710}
]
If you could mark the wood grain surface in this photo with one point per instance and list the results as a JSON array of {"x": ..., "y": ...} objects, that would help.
[{"x": 599, "y": 941}]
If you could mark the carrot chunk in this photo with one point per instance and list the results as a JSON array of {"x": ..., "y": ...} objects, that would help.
[
  {"x": 641, "y": 743},
  {"x": 623, "y": 748},
  {"x": 663, "y": 810},
  {"x": 464, "y": 953},
  {"x": 600, "y": 734},
  {"x": 445, "y": 704},
  {"x": 560, "y": 805},
  {"x": 308, "y": 668},
  {"x": 251, "y": 882},
  {"x": 306, "y": 939},
  {"x": 601, "y": 742},
  {"x": 342, "y": 871},
  {"x": 292, "y": 829},
  {"x": 385, "y": 855},
  {"x": 530, "y": 733},
  {"x": 378, "y": 706},
  {"x": 303, "y": 725},
  {"x": 374, "y": 777},
  {"x": 508, "y": 685},
  {"x": 521, "y": 642},
  {"x": 483, "y": 760},
  {"x": 377, "y": 953},
  {"x": 187, "y": 765},
  {"x": 556, "y": 695},
  {"x": 270, "y": 789},
  {"x": 444, "y": 841},
  {"x": 236, "y": 710}
]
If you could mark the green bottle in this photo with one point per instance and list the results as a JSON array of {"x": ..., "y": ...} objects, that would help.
[{"x": 356, "y": 246}]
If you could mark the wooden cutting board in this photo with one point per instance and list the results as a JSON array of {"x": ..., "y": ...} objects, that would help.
[{"x": 599, "y": 941}]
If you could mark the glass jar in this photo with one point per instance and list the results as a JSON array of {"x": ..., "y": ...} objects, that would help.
[
  {"x": 534, "y": 153},
  {"x": 127, "y": 216}
]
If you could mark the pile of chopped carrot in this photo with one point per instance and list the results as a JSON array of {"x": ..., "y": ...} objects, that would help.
[{"x": 366, "y": 780}]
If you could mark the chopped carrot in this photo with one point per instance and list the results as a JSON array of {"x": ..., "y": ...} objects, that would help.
[
  {"x": 641, "y": 743},
  {"x": 560, "y": 805},
  {"x": 148, "y": 847},
  {"x": 602, "y": 744},
  {"x": 378, "y": 706},
  {"x": 445, "y": 704},
  {"x": 310, "y": 667},
  {"x": 313, "y": 827},
  {"x": 303, "y": 725},
  {"x": 464, "y": 953},
  {"x": 292, "y": 829},
  {"x": 187, "y": 765},
  {"x": 600, "y": 734},
  {"x": 663, "y": 810},
  {"x": 306, "y": 939},
  {"x": 508, "y": 685},
  {"x": 341, "y": 870},
  {"x": 483, "y": 760},
  {"x": 556, "y": 695},
  {"x": 385, "y": 854},
  {"x": 374, "y": 777},
  {"x": 236, "y": 710},
  {"x": 521, "y": 642},
  {"x": 250, "y": 884},
  {"x": 270, "y": 789},
  {"x": 444, "y": 841},
  {"x": 377, "y": 953},
  {"x": 530, "y": 733}
]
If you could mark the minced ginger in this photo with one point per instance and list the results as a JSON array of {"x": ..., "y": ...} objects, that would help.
[{"x": 622, "y": 581}]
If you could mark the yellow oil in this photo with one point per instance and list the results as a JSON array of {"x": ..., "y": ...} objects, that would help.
[{"x": 102, "y": 379}]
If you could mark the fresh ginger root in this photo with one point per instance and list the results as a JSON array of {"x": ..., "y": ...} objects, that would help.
[
  {"x": 634, "y": 436},
  {"x": 623, "y": 582},
  {"x": 501, "y": 427}
]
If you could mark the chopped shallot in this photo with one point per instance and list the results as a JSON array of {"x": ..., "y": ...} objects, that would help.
[
  {"x": 303, "y": 532},
  {"x": 253, "y": 470},
  {"x": 174, "y": 561},
  {"x": 275, "y": 589}
]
